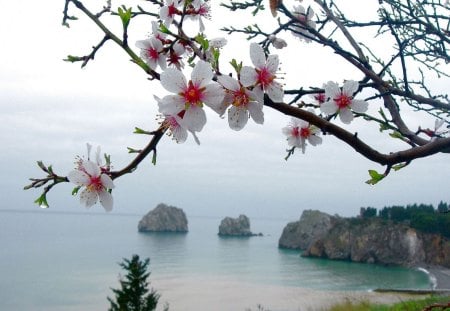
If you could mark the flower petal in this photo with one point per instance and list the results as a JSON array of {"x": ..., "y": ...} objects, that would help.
[
  {"x": 213, "y": 95},
  {"x": 329, "y": 107},
  {"x": 92, "y": 169},
  {"x": 332, "y": 89},
  {"x": 194, "y": 118},
  {"x": 106, "y": 200},
  {"x": 228, "y": 82},
  {"x": 314, "y": 140},
  {"x": 346, "y": 115},
  {"x": 202, "y": 74},
  {"x": 272, "y": 63},
  {"x": 79, "y": 178},
  {"x": 237, "y": 118},
  {"x": 248, "y": 76},
  {"x": 256, "y": 112},
  {"x": 173, "y": 80},
  {"x": 275, "y": 91},
  {"x": 179, "y": 134},
  {"x": 88, "y": 198},
  {"x": 171, "y": 105},
  {"x": 359, "y": 106},
  {"x": 107, "y": 182},
  {"x": 257, "y": 55},
  {"x": 350, "y": 87}
]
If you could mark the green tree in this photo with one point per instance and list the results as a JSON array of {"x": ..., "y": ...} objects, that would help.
[{"x": 134, "y": 294}]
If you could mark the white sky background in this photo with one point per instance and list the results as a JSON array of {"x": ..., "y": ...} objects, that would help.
[{"x": 50, "y": 109}]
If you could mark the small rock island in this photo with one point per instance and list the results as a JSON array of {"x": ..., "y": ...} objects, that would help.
[
  {"x": 164, "y": 218},
  {"x": 236, "y": 227}
]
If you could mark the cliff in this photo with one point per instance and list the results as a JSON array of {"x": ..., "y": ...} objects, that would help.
[
  {"x": 302, "y": 233},
  {"x": 164, "y": 218},
  {"x": 376, "y": 241}
]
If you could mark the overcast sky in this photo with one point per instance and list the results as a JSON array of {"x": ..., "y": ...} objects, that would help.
[{"x": 50, "y": 109}]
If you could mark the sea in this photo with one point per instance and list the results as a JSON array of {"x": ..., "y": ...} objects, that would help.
[{"x": 53, "y": 260}]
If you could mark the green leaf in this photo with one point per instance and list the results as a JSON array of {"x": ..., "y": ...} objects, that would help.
[
  {"x": 396, "y": 134},
  {"x": 375, "y": 177},
  {"x": 204, "y": 43},
  {"x": 75, "y": 190},
  {"x": 132, "y": 150},
  {"x": 125, "y": 16},
  {"x": 138, "y": 130},
  {"x": 42, "y": 201},
  {"x": 164, "y": 29},
  {"x": 236, "y": 66},
  {"x": 73, "y": 59},
  {"x": 154, "y": 158},
  {"x": 399, "y": 166}
]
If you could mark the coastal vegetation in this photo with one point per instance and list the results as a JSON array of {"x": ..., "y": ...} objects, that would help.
[
  {"x": 428, "y": 304},
  {"x": 134, "y": 293},
  {"x": 423, "y": 217}
]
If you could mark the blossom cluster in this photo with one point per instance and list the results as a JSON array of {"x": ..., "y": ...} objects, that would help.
[
  {"x": 241, "y": 97},
  {"x": 183, "y": 110}
]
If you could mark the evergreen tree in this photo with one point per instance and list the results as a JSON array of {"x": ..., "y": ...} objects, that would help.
[{"x": 134, "y": 294}]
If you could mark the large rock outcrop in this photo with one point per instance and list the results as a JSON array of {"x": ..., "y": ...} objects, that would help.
[
  {"x": 235, "y": 227},
  {"x": 378, "y": 241},
  {"x": 164, "y": 218},
  {"x": 302, "y": 233},
  {"x": 364, "y": 240}
]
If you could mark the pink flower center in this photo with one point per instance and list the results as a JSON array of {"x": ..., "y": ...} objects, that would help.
[
  {"x": 172, "y": 10},
  {"x": 320, "y": 98},
  {"x": 343, "y": 101},
  {"x": 174, "y": 58},
  {"x": 240, "y": 98},
  {"x": 152, "y": 53},
  {"x": 193, "y": 94},
  {"x": 303, "y": 132},
  {"x": 264, "y": 78},
  {"x": 95, "y": 184}
]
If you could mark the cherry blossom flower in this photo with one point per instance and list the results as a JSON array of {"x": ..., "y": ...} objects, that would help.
[
  {"x": 263, "y": 75},
  {"x": 201, "y": 10},
  {"x": 342, "y": 101},
  {"x": 218, "y": 43},
  {"x": 174, "y": 124},
  {"x": 243, "y": 104},
  {"x": 278, "y": 43},
  {"x": 190, "y": 96},
  {"x": 152, "y": 52},
  {"x": 299, "y": 131},
  {"x": 320, "y": 98},
  {"x": 168, "y": 12},
  {"x": 97, "y": 183},
  {"x": 305, "y": 18},
  {"x": 176, "y": 55}
]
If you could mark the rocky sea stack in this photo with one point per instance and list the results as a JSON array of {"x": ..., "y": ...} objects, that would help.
[
  {"x": 236, "y": 227},
  {"x": 164, "y": 218}
]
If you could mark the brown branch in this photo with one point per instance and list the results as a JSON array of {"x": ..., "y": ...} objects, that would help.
[
  {"x": 432, "y": 147},
  {"x": 151, "y": 147}
]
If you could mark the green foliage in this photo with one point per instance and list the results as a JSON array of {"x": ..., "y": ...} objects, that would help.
[
  {"x": 134, "y": 294},
  {"x": 422, "y": 217},
  {"x": 411, "y": 305},
  {"x": 375, "y": 177},
  {"x": 368, "y": 212}
]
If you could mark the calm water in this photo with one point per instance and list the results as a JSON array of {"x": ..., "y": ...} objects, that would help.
[{"x": 61, "y": 261}]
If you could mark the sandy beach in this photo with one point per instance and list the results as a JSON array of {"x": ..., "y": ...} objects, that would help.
[{"x": 223, "y": 294}]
